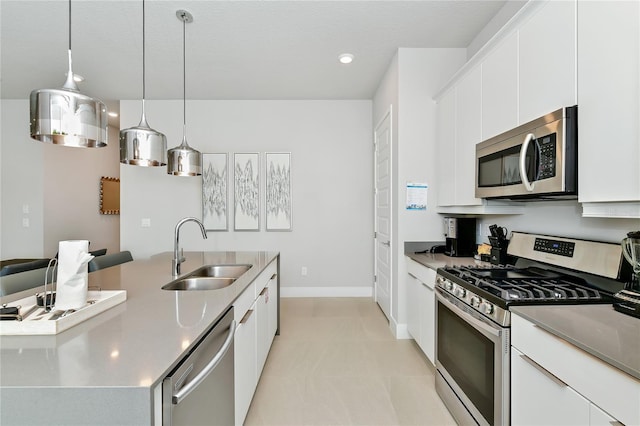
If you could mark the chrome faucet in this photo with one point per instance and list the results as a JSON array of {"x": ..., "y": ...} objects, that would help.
[{"x": 177, "y": 253}]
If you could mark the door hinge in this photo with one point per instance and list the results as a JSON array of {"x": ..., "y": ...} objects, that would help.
[
  {"x": 375, "y": 235},
  {"x": 375, "y": 278}
]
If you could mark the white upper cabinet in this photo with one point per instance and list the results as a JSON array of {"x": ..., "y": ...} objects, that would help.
[
  {"x": 468, "y": 126},
  {"x": 500, "y": 88},
  {"x": 547, "y": 60},
  {"x": 446, "y": 149},
  {"x": 609, "y": 107}
]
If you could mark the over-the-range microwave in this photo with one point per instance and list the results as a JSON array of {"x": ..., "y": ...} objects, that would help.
[{"x": 538, "y": 159}]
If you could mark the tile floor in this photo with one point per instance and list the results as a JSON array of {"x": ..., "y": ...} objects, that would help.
[{"x": 337, "y": 363}]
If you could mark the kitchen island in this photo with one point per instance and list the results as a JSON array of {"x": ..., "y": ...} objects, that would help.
[{"x": 108, "y": 369}]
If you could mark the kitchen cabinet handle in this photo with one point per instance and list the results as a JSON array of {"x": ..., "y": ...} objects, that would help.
[
  {"x": 246, "y": 316},
  {"x": 264, "y": 290},
  {"x": 544, "y": 371},
  {"x": 523, "y": 157},
  {"x": 273, "y": 277},
  {"x": 202, "y": 375},
  {"x": 387, "y": 243},
  {"x": 411, "y": 275}
]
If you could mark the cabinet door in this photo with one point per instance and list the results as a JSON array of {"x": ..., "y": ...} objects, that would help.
[
  {"x": 413, "y": 307},
  {"x": 446, "y": 149},
  {"x": 245, "y": 363},
  {"x": 468, "y": 125},
  {"x": 427, "y": 320},
  {"x": 262, "y": 327},
  {"x": 547, "y": 60},
  {"x": 609, "y": 101},
  {"x": 272, "y": 309},
  {"x": 500, "y": 88},
  {"x": 539, "y": 398}
]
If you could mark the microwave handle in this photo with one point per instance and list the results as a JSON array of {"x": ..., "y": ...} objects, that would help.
[{"x": 523, "y": 156}]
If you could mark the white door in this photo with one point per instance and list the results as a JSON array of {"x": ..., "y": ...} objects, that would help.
[{"x": 383, "y": 193}]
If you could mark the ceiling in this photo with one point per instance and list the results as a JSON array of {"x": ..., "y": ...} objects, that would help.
[{"x": 234, "y": 49}]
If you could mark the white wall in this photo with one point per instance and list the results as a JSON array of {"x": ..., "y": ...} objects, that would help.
[
  {"x": 332, "y": 183},
  {"x": 413, "y": 77},
  {"x": 59, "y": 186}
]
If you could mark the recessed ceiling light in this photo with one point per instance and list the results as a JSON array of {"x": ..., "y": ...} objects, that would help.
[
  {"x": 113, "y": 114},
  {"x": 345, "y": 58}
]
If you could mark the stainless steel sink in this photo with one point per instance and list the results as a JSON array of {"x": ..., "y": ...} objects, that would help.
[
  {"x": 220, "y": 271},
  {"x": 209, "y": 277},
  {"x": 198, "y": 283}
]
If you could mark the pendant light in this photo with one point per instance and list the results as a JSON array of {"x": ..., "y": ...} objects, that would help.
[
  {"x": 142, "y": 145},
  {"x": 184, "y": 160},
  {"x": 67, "y": 117}
]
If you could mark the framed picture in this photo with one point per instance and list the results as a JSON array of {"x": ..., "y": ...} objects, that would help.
[
  {"x": 278, "y": 196},
  {"x": 215, "y": 196},
  {"x": 246, "y": 187}
]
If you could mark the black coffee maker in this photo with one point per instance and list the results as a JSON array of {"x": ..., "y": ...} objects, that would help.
[{"x": 499, "y": 244}]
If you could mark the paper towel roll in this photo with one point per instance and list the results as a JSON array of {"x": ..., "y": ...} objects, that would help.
[{"x": 73, "y": 280}]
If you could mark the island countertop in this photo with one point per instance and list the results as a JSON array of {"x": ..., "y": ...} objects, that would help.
[{"x": 136, "y": 343}]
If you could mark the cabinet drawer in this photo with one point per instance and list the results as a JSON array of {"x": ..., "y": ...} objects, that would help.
[
  {"x": 269, "y": 273},
  {"x": 609, "y": 388},
  {"x": 424, "y": 274},
  {"x": 244, "y": 301}
]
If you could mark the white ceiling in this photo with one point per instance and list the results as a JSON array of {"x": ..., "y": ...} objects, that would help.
[{"x": 235, "y": 49}]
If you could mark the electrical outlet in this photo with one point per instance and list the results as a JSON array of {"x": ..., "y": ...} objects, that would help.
[
  {"x": 304, "y": 271},
  {"x": 146, "y": 222},
  {"x": 487, "y": 232},
  {"x": 25, "y": 222}
]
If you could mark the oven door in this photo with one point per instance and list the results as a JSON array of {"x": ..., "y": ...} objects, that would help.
[{"x": 472, "y": 362}]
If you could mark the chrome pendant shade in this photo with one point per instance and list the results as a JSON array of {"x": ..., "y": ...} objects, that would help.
[
  {"x": 184, "y": 160},
  {"x": 67, "y": 117},
  {"x": 141, "y": 145}
]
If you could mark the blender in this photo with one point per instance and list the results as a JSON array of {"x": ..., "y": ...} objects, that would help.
[{"x": 628, "y": 300}]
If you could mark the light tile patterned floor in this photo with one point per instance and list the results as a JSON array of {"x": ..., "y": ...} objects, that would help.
[{"x": 337, "y": 363}]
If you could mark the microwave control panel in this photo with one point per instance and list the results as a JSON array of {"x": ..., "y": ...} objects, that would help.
[
  {"x": 547, "y": 151},
  {"x": 561, "y": 248}
]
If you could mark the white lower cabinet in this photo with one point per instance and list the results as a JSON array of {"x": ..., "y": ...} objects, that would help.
[
  {"x": 256, "y": 315},
  {"x": 556, "y": 383},
  {"x": 421, "y": 306}
]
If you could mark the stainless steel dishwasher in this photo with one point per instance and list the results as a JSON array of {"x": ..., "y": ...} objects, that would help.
[{"x": 200, "y": 391}]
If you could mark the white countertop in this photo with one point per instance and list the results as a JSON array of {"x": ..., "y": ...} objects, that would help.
[{"x": 135, "y": 343}]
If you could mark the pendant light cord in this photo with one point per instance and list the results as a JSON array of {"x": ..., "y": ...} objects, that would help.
[
  {"x": 184, "y": 75},
  {"x": 69, "y": 24},
  {"x": 143, "y": 57}
]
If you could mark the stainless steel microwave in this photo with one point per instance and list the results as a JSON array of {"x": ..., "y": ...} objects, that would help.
[{"x": 538, "y": 159}]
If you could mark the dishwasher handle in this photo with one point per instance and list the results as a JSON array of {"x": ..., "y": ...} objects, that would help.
[{"x": 202, "y": 375}]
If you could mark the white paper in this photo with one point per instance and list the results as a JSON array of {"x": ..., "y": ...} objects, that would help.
[
  {"x": 73, "y": 276},
  {"x": 417, "y": 196}
]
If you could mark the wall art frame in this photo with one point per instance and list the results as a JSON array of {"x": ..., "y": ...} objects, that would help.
[
  {"x": 246, "y": 191},
  {"x": 278, "y": 201},
  {"x": 109, "y": 195},
  {"x": 215, "y": 191}
]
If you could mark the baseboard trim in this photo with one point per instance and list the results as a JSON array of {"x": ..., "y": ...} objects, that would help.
[
  {"x": 326, "y": 291},
  {"x": 400, "y": 331}
]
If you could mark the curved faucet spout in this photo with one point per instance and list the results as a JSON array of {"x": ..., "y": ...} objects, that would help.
[{"x": 177, "y": 256}]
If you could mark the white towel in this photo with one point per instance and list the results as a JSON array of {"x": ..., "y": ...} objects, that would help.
[{"x": 73, "y": 280}]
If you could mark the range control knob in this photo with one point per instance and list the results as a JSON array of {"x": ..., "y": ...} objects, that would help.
[
  {"x": 487, "y": 308},
  {"x": 461, "y": 292},
  {"x": 439, "y": 280},
  {"x": 448, "y": 285},
  {"x": 475, "y": 301}
]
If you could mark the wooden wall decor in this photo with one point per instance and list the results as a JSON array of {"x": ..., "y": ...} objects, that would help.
[{"x": 109, "y": 195}]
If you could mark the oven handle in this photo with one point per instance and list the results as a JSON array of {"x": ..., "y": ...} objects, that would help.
[
  {"x": 468, "y": 318},
  {"x": 523, "y": 156}
]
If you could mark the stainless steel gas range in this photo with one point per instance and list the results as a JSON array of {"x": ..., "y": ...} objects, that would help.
[{"x": 473, "y": 319}]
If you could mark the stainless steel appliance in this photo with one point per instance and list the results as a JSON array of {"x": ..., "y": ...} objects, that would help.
[
  {"x": 628, "y": 299},
  {"x": 460, "y": 236},
  {"x": 538, "y": 159},
  {"x": 200, "y": 390},
  {"x": 473, "y": 319}
]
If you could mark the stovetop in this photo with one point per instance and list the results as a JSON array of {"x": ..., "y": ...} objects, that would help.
[{"x": 506, "y": 285}]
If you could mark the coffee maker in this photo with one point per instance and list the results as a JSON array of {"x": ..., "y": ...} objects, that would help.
[
  {"x": 460, "y": 236},
  {"x": 628, "y": 300}
]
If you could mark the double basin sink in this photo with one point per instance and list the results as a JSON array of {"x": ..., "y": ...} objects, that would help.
[{"x": 209, "y": 277}]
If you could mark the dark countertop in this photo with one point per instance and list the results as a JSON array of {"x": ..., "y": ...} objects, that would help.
[
  {"x": 597, "y": 329},
  {"x": 439, "y": 260}
]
